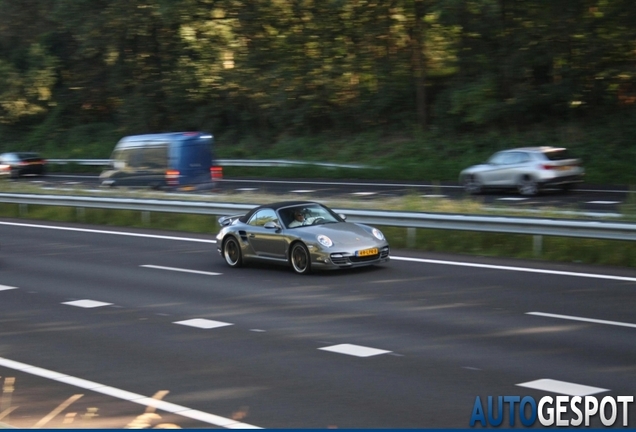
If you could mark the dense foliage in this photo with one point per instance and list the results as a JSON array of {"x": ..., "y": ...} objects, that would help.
[{"x": 466, "y": 75}]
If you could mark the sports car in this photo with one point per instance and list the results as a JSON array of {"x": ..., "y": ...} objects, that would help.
[{"x": 303, "y": 234}]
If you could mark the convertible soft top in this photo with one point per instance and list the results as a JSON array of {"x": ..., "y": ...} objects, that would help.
[{"x": 274, "y": 206}]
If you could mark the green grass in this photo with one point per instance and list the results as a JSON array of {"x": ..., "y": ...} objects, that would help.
[
  {"x": 558, "y": 249},
  {"x": 118, "y": 218}
]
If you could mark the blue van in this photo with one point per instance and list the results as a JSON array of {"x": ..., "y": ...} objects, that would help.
[{"x": 160, "y": 161}]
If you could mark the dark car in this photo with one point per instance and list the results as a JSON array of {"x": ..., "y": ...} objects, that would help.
[
  {"x": 302, "y": 234},
  {"x": 18, "y": 164}
]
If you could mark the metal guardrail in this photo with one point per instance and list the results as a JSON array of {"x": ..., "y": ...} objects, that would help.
[
  {"x": 285, "y": 163},
  {"x": 498, "y": 224},
  {"x": 86, "y": 162},
  {"x": 223, "y": 162}
]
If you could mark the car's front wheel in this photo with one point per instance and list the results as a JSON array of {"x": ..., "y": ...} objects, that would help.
[
  {"x": 299, "y": 258},
  {"x": 232, "y": 252},
  {"x": 527, "y": 186}
]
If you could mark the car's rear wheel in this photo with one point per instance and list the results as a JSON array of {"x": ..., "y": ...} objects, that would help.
[
  {"x": 299, "y": 258},
  {"x": 527, "y": 186},
  {"x": 472, "y": 184},
  {"x": 232, "y": 252}
]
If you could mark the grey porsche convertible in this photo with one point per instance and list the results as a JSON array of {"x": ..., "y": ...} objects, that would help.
[{"x": 304, "y": 234}]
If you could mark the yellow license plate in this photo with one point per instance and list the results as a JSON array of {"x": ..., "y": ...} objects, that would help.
[
  {"x": 564, "y": 168},
  {"x": 367, "y": 252}
]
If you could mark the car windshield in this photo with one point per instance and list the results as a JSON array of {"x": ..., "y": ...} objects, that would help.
[
  {"x": 497, "y": 158},
  {"x": 312, "y": 214}
]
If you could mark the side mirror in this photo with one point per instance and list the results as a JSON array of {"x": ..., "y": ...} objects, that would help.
[
  {"x": 343, "y": 217},
  {"x": 271, "y": 225}
]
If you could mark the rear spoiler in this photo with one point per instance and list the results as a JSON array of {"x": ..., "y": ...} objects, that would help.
[{"x": 228, "y": 220}]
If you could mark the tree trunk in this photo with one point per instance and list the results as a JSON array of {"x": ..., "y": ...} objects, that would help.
[{"x": 419, "y": 66}]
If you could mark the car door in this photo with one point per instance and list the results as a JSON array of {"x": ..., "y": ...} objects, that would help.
[
  {"x": 519, "y": 166},
  {"x": 513, "y": 165},
  {"x": 266, "y": 242},
  {"x": 496, "y": 167}
]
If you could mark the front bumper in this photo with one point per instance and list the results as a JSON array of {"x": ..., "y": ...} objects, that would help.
[{"x": 336, "y": 260}]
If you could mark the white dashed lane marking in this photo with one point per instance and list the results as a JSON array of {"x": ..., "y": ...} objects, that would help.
[
  {"x": 5, "y": 288},
  {"x": 354, "y": 350},
  {"x": 574, "y": 318},
  {"x": 203, "y": 323},
  {"x": 87, "y": 303},
  {"x": 180, "y": 270},
  {"x": 562, "y": 387},
  {"x": 603, "y": 202}
]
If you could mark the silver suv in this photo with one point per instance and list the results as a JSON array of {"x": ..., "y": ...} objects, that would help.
[{"x": 526, "y": 169}]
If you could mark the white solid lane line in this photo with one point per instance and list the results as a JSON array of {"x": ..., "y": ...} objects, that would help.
[
  {"x": 397, "y": 258},
  {"x": 562, "y": 387},
  {"x": 5, "y": 288},
  {"x": 126, "y": 395},
  {"x": 94, "y": 231},
  {"x": 518, "y": 269},
  {"x": 180, "y": 270},
  {"x": 574, "y": 318}
]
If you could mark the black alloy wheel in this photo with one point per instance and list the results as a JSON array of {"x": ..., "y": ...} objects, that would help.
[{"x": 232, "y": 252}]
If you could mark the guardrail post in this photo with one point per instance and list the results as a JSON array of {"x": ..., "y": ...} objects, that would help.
[
  {"x": 537, "y": 245},
  {"x": 410, "y": 237},
  {"x": 145, "y": 217},
  {"x": 23, "y": 209},
  {"x": 81, "y": 213}
]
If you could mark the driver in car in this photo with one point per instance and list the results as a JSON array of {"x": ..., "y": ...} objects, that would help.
[{"x": 299, "y": 219}]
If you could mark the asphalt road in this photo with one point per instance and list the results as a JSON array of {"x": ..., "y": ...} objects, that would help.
[
  {"x": 157, "y": 319},
  {"x": 585, "y": 198}
]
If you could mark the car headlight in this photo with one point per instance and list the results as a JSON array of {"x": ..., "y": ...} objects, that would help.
[
  {"x": 378, "y": 234},
  {"x": 324, "y": 240}
]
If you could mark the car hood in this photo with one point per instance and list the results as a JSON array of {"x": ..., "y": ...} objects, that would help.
[
  {"x": 341, "y": 233},
  {"x": 477, "y": 168}
]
